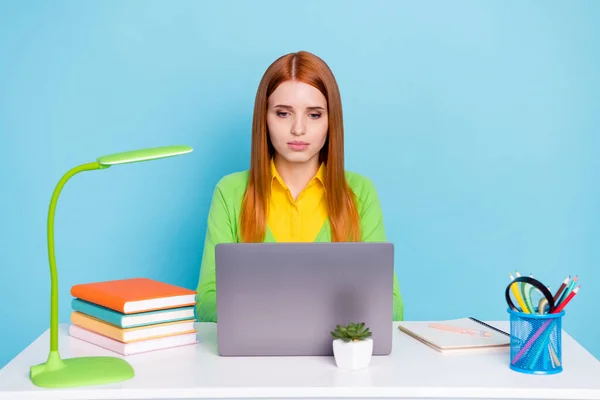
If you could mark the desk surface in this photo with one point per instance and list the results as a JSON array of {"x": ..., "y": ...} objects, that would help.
[{"x": 413, "y": 371}]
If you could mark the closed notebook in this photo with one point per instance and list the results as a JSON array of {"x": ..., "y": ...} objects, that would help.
[
  {"x": 131, "y": 334},
  {"x": 134, "y": 295},
  {"x": 444, "y": 336},
  {"x": 132, "y": 320},
  {"x": 135, "y": 347}
]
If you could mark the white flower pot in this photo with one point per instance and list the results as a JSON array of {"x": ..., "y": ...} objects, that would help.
[{"x": 353, "y": 355}]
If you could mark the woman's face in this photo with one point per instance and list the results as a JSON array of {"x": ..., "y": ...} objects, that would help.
[{"x": 297, "y": 121}]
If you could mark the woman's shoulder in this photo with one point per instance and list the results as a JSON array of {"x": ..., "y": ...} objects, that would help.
[
  {"x": 233, "y": 183},
  {"x": 229, "y": 191},
  {"x": 366, "y": 197},
  {"x": 234, "y": 179},
  {"x": 361, "y": 185}
]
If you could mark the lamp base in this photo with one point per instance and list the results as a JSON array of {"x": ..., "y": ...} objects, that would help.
[{"x": 80, "y": 371}]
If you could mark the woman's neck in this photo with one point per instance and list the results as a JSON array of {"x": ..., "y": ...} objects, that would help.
[{"x": 296, "y": 175}]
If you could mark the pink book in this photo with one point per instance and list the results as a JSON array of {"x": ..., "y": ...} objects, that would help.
[{"x": 126, "y": 349}]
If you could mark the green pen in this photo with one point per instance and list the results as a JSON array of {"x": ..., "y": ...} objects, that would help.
[{"x": 526, "y": 290}]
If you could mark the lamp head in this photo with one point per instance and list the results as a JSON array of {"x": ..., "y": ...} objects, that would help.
[{"x": 142, "y": 155}]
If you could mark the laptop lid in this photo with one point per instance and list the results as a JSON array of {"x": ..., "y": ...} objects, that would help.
[{"x": 284, "y": 299}]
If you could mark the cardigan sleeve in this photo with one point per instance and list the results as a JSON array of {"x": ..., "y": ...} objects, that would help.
[
  {"x": 373, "y": 230},
  {"x": 219, "y": 229}
]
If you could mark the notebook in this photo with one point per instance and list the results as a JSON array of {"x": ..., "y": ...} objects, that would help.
[
  {"x": 129, "y": 335},
  {"x": 445, "y": 336},
  {"x": 134, "y": 295},
  {"x": 132, "y": 320},
  {"x": 141, "y": 346}
]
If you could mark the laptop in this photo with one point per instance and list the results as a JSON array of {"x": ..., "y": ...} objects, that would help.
[{"x": 284, "y": 299}]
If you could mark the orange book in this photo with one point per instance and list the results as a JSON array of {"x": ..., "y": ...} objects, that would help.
[{"x": 134, "y": 295}]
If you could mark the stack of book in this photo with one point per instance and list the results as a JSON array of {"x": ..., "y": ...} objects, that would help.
[{"x": 131, "y": 316}]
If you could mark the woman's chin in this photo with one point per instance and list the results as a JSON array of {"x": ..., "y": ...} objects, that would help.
[{"x": 298, "y": 157}]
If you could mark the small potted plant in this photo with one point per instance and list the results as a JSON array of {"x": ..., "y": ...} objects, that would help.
[{"x": 352, "y": 346}]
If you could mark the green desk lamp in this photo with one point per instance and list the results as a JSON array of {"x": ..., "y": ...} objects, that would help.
[{"x": 82, "y": 371}]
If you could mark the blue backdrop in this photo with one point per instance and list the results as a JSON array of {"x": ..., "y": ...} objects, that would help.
[{"x": 478, "y": 122}]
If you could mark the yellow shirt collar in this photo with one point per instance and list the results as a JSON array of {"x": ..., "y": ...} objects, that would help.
[{"x": 320, "y": 175}]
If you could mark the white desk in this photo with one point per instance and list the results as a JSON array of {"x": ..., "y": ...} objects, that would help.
[{"x": 412, "y": 371}]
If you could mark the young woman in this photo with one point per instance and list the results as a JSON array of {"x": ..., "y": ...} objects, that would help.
[{"x": 296, "y": 189}]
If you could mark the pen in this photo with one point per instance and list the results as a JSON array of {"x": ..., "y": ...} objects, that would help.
[
  {"x": 555, "y": 359},
  {"x": 526, "y": 292},
  {"x": 449, "y": 328}
]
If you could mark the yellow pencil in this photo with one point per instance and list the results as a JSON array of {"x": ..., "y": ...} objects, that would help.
[{"x": 517, "y": 294}]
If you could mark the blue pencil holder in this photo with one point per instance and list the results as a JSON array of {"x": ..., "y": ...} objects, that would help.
[{"x": 536, "y": 342}]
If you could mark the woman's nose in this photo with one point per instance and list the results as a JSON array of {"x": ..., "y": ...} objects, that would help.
[{"x": 298, "y": 127}]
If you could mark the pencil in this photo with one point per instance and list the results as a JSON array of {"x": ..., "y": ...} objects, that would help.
[
  {"x": 564, "y": 303},
  {"x": 561, "y": 288},
  {"x": 568, "y": 290}
]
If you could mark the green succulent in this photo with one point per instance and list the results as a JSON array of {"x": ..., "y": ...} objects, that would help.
[{"x": 352, "y": 332}]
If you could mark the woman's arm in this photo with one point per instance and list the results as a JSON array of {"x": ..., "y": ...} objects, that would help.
[
  {"x": 373, "y": 230},
  {"x": 219, "y": 229}
]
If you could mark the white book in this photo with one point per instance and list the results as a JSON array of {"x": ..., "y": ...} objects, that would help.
[
  {"x": 141, "y": 346},
  {"x": 447, "y": 336}
]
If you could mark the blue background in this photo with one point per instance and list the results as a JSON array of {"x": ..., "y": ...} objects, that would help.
[{"x": 478, "y": 122}]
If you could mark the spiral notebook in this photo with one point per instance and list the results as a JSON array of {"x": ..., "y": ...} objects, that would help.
[{"x": 457, "y": 334}]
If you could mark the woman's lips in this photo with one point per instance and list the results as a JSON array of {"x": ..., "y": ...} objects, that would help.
[{"x": 297, "y": 145}]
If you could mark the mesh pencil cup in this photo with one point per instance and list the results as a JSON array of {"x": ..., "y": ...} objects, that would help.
[{"x": 536, "y": 342}]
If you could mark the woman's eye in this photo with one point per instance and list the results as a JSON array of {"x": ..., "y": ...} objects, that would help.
[
  {"x": 315, "y": 115},
  {"x": 281, "y": 114}
]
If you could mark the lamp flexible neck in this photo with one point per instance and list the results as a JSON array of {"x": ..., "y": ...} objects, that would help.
[{"x": 51, "y": 256}]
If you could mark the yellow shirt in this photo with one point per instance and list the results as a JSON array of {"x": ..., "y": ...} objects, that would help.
[{"x": 297, "y": 220}]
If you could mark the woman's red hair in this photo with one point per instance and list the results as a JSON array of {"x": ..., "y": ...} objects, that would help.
[{"x": 343, "y": 215}]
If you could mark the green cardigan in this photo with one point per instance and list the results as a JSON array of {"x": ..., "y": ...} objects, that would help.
[{"x": 222, "y": 227}]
